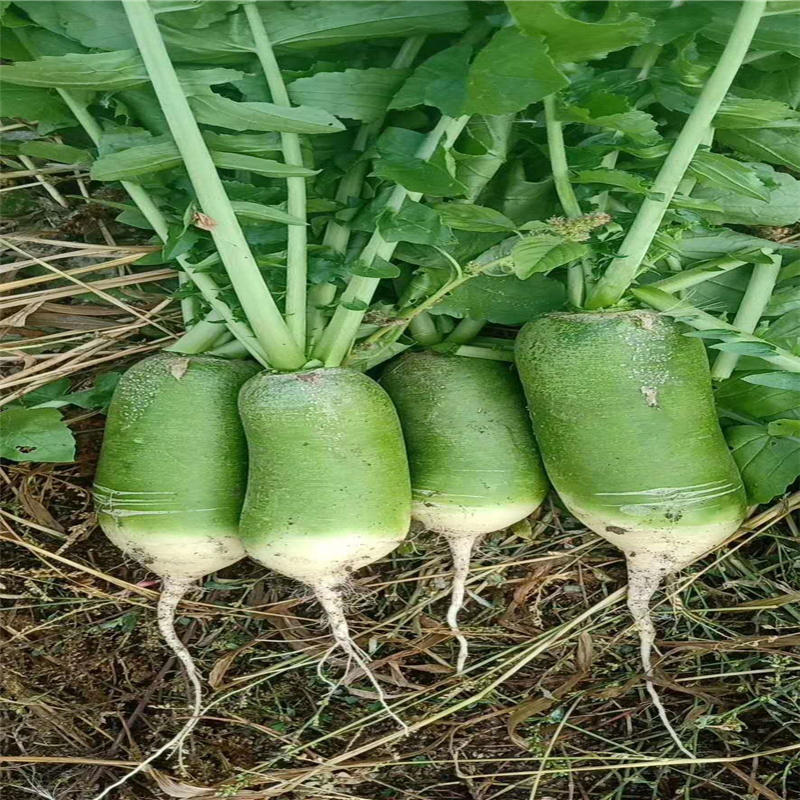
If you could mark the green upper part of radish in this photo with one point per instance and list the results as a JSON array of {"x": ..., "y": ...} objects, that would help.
[
  {"x": 172, "y": 472},
  {"x": 328, "y": 490},
  {"x": 474, "y": 463},
  {"x": 622, "y": 408}
]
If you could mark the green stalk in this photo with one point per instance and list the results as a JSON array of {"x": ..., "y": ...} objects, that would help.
[
  {"x": 337, "y": 236},
  {"x": 564, "y": 190},
  {"x": 342, "y": 329},
  {"x": 755, "y": 300},
  {"x": 466, "y": 330},
  {"x": 632, "y": 251},
  {"x": 254, "y": 295},
  {"x": 702, "y": 272},
  {"x": 205, "y": 283},
  {"x": 296, "y": 253},
  {"x": 678, "y": 309}
]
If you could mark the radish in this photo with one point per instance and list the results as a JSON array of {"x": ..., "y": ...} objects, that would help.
[
  {"x": 328, "y": 489},
  {"x": 474, "y": 464},
  {"x": 171, "y": 477},
  {"x": 623, "y": 412}
]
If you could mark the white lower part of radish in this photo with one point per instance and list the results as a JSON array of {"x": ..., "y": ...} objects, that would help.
[
  {"x": 623, "y": 411},
  {"x": 474, "y": 464},
  {"x": 328, "y": 489}
]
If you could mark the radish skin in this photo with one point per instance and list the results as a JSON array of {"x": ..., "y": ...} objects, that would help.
[
  {"x": 171, "y": 479},
  {"x": 328, "y": 489},
  {"x": 624, "y": 415},
  {"x": 475, "y": 467}
]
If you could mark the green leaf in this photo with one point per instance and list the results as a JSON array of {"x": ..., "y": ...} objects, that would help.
[
  {"x": 397, "y": 162},
  {"x": 99, "y": 396},
  {"x": 785, "y": 427},
  {"x": 80, "y": 20},
  {"x": 775, "y": 146},
  {"x": 483, "y": 148},
  {"x": 713, "y": 169},
  {"x": 414, "y": 222},
  {"x": 140, "y": 160},
  {"x": 214, "y": 109},
  {"x": 439, "y": 81},
  {"x": 379, "y": 268},
  {"x": 785, "y": 331},
  {"x": 35, "y": 434},
  {"x": 260, "y": 166},
  {"x": 35, "y": 103},
  {"x": 510, "y": 73},
  {"x": 613, "y": 112},
  {"x": 613, "y": 177},
  {"x": 503, "y": 300},
  {"x": 675, "y": 21},
  {"x": 262, "y": 213},
  {"x": 522, "y": 200},
  {"x": 778, "y": 33},
  {"x": 93, "y": 71},
  {"x": 47, "y": 396},
  {"x": 53, "y": 151},
  {"x": 783, "y": 301},
  {"x": 781, "y": 208},
  {"x": 744, "y": 397},
  {"x": 361, "y": 94},
  {"x": 544, "y": 252},
  {"x": 768, "y": 464},
  {"x": 570, "y": 39},
  {"x": 252, "y": 144},
  {"x": 469, "y": 217},
  {"x": 759, "y": 113}
]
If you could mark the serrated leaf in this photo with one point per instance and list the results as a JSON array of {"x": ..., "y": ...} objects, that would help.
[
  {"x": 781, "y": 208},
  {"x": 775, "y": 33},
  {"x": 251, "y": 144},
  {"x": 745, "y": 348},
  {"x": 414, "y": 222},
  {"x": 785, "y": 331},
  {"x": 613, "y": 177},
  {"x": 613, "y": 112},
  {"x": 262, "y": 213},
  {"x": 543, "y": 253},
  {"x": 111, "y": 71},
  {"x": 775, "y": 146},
  {"x": 469, "y": 217},
  {"x": 783, "y": 301},
  {"x": 714, "y": 169},
  {"x": 784, "y": 427},
  {"x": 743, "y": 396},
  {"x": 439, "y": 81},
  {"x": 361, "y": 94},
  {"x": 759, "y": 113},
  {"x": 214, "y": 109},
  {"x": 35, "y": 434},
  {"x": 260, "y": 166},
  {"x": 509, "y": 73},
  {"x": 379, "y": 268},
  {"x": 53, "y": 151},
  {"x": 483, "y": 148},
  {"x": 768, "y": 464},
  {"x": 503, "y": 300},
  {"x": 570, "y": 39}
]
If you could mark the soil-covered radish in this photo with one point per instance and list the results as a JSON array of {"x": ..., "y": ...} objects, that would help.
[
  {"x": 328, "y": 489},
  {"x": 623, "y": 412},
  {"x": 172, "y": 474},
  {"x": 474, "y": 464}
]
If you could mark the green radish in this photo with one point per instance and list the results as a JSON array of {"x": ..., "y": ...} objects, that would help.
[
  {"x": 328, "y": 490},
  {"x": 474, "y": 464},
  {"x": 171, "y": 477},
  {"x": 623, "y": 412}
]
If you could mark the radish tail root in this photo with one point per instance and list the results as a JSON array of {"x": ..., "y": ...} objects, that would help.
[
  {"x": 172, "y": 592},
  {"x": 643, "y": 581},
  {"x": 461, "y": 552},
  {"x": 329, "y": 596}
]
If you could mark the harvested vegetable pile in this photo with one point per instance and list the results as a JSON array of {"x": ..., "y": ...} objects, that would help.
[{"x": 422, "y": 275}]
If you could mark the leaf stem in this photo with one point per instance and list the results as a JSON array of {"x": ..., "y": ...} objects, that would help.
[
  {"x": 424, "y": 331},
  {"x": 466, "y": 330},
  {"x": 337, "y": 236},
  {"x": 702, "y": 272},
  {"x": 342, "y": 329},
  {"x": 254, "y": 295},
  {"x": 755, "y": 300},
  {"x": 679, "y": 309},
  {"x": 632, "y": 251},
  {"x": 152, "y": 213},
  {"x": 296, "y": 253},
  {"x": 566, "y": 195}
]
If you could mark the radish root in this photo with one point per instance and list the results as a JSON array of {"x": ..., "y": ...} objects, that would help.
[
  {"x": 329, "y": 595},
  {"x": 643, "y": 581},
  {"x": 461, "y": 552},
  {"x": 172, "y": 592}
]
